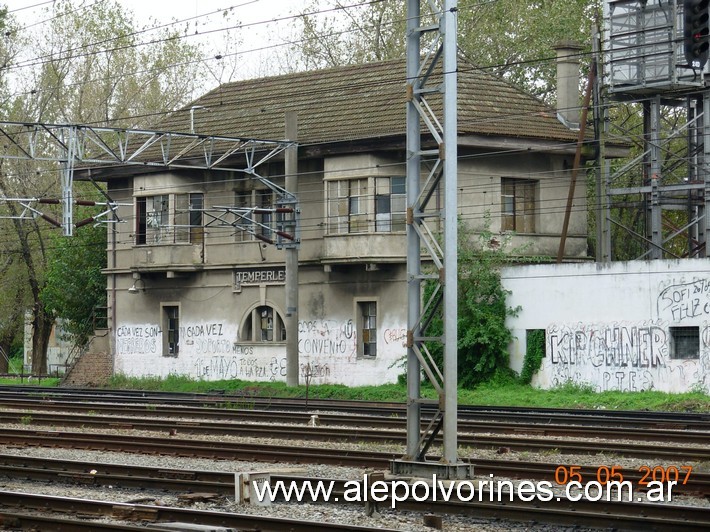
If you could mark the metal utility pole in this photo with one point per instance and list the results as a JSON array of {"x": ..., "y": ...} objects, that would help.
[
  {"x": 291, "y": 184},
  {"x": 432, "y": 73}
]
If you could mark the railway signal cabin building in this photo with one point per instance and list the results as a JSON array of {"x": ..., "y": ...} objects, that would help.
[{"x": 205, "y": 298}]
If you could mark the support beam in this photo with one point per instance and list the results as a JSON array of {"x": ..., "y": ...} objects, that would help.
[{"x": 89, "y": 147}]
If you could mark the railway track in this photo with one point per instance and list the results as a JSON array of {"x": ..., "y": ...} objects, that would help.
[
  {"x": 221, "y": 482},
  {"x": 177, "y": 446},
  {"x": 559, "y": 511},
  {"x": 684, "y": 437},
  {"x": 539, "y": 441},
  {"x": 242, "y": 403},
  {"x": 229, "y": 419},
  {"x": 29, "y": 510}
]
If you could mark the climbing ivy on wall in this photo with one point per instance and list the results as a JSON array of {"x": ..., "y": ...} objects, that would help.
[{"x": 534, "y": 353}]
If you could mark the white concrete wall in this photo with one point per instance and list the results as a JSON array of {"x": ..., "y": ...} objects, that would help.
[
  {"x": 608, "y": 324},
  {"x": 213, "y": 315},
  {"x": 213, "y": 351}
]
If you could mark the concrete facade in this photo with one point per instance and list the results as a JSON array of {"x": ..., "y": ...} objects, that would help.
[
  {"x": 220, "y": 285},
  {"x": 191, "y": 294},
  {"x": 59, "y": 347},
  {"x": 626, "y": 326}
]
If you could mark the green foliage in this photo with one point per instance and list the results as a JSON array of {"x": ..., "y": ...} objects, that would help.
[
  {"x": 534, "y": 354},
  {"x": 74, "y": 285},
  {"x": 49, "y": 382},
  {"x": 483, "y": 336},
  {"x": 15, "y": 364},
  {"x": 515, "y": 39}
]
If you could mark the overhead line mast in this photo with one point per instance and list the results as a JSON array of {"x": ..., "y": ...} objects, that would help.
[{"x": 432, "y": 73}]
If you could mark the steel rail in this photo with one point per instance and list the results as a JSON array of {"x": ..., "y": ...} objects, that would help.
[
  {"x": 165, "y": 514},
  {"x": 557, "y": 510},
  {"x": 20, "y": 521},
  {"x": 300, "y": 454},
  {"x": 219, "y": 399},
  {"x": 100, "y": 474},
  {"x": 362, "y": 422},
  {"x": 317, "y": 433}
]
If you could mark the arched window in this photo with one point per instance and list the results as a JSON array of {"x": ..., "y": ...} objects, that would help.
[{"x": 263, "y": 324}]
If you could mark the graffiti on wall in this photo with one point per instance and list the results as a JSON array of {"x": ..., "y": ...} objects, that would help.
[
  {"x": 395, "y": 336},
  {"x": 138, "y": 339},
  {"x": 240, "y": 367},
  {"x": 212, "y": 339},
  {"x": 314, "y": 371},
  {"x": 327, "y": 338},
  {"x": 620, "y": 356},
  {"x": 212, "y": 351},
  {"x": 685, "y": 300}
]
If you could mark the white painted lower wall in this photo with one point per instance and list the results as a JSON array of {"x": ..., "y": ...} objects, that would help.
[
  {"x": 611, "y": 325},
  {"x": 212, "y": 351}
]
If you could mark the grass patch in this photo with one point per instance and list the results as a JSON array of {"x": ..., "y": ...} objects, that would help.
[
  {"x": 574, "y": 396},
  {"x": 499, "y": 392},
  {"x": 15, "y": 364},
  {"x": 49, "y": 382},
  {"x": 502, "y": 390}
]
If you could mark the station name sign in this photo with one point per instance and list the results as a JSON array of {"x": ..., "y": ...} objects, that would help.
[{"x": 258, "y": 276}]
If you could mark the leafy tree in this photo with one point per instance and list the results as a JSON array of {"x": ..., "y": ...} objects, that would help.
[
  {"x": 357, "y": 34},
  {"x": 90, "y": 64},
  {"x": 74, "y": 285}
]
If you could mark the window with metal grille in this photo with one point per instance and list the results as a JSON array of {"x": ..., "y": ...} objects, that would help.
[
  {"x": 188, "y": 218},
  {"x": 368, "y": 328},
  {"x": 263, "y": 324},
  {"x": 152, "y": 219},
  {"x": 171, "y": 330},
  {"x": 354, "y": 204},
  {"x": 684, "y": 342},
  {"x": 390, "y": 204}
]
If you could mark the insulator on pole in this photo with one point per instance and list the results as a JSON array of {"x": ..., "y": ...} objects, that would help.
[
  {"x": 85, "y": 221},
  {"x": 50, "y": 220}
]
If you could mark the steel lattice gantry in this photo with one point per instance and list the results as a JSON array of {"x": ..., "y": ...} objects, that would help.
[
  {"x": 661, "y": 197},
  {"x": 431, "y": 84},
  {"x": 88, "y": 146}
]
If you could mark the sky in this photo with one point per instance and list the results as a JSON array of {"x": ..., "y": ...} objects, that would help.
[{"x": 260, "y": 18}]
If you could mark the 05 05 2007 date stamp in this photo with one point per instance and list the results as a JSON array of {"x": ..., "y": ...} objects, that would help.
[{"x": 656, "y": 481}]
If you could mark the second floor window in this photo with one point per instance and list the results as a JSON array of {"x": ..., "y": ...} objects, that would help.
[
  {"x": 366, "y": 205},
  {"x": 169, "y": 218},
  {"x": 517, "y": 204},
  {"x": 188, "y": 218},
  {"x": 152, "y": 219}
]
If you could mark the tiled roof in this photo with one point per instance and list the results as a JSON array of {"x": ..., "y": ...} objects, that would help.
[{"x": 361, "y": 102}]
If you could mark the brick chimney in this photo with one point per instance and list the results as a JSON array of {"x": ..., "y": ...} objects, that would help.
[{"x": 568, "y": 83}]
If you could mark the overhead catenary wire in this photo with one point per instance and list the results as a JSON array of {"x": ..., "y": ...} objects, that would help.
[{"x": 293, "y": 42}]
